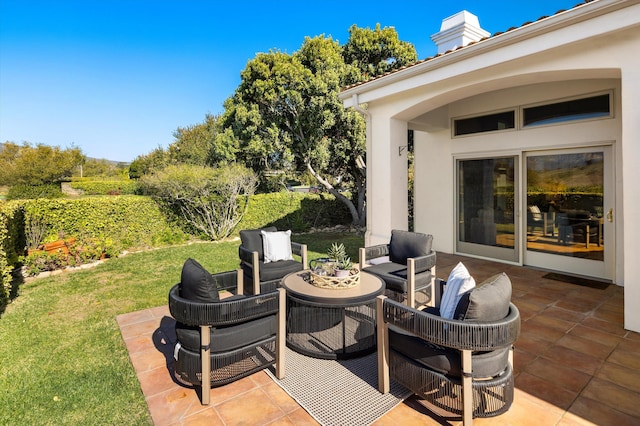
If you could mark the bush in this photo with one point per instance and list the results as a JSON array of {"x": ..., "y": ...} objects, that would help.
[
  {"x": 106, "y": 187},
  {"x": 31, "y": 192},
  {"x": 11, "y": 238},
  {"x": 294, "y": 210},
  {"x": 211, "y": 200},
  {"x": 129, "y": 220}
]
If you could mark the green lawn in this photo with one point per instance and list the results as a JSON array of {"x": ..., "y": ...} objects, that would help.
[{"x": 63, "y": 359}]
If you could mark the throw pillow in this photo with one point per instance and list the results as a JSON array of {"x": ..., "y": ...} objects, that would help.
[
  {"x": 276, "y": 246},
  {"x": 459, "y": 282},
  {"x": 197, "y": 284},
  {"x": 487, "y": 302},
  {"x": 252, "y": 239}
]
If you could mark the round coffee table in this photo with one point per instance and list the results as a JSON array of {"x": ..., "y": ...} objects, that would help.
[{"x": 331, "y": 324}]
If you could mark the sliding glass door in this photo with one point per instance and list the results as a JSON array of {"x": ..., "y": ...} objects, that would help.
[
  {"x": 569, "y": 211},
  {"x": 487, "y": 221}
]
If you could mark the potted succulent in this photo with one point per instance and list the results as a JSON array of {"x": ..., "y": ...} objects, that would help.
[{"x": 342, "y": 262}]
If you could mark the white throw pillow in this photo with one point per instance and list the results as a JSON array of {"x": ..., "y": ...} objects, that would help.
[
  {"x": 458, "y": 283},
  {"x": 378, "y": 260},
  {"x": 276, "y": 246}
]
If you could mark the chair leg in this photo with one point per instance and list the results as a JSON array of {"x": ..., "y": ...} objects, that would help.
[
  {"x": 205, "y": 359},
  {"x": 411, "y": 283},
  {"x": 281, "y": 333},
  {"x": 383, "y": 347},
  {"x": 467, "y": 388}
]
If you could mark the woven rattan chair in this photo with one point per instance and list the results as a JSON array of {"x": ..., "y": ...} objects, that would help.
[
  {"x": 262, "y": 276},
  {"x": 407, "y": 265},
  {"x": 461, "y": 366},
  {"x": 227, "y": 339}
]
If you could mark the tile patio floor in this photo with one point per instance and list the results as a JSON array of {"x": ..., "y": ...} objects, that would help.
[{"x": 574, "y": 364}]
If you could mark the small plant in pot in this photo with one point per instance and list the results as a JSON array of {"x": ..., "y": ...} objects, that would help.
[{"x": 342, "y": 262}]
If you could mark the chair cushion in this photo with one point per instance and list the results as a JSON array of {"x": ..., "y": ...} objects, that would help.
[
  {"x": 276, "y": 245},
  {"x": 224, "y": 339},
  {"x": 458, "y": 283},
  {"x": 446, "y": 360},
  {"x": 252, "y": 239},
  {"x": 197, "y": 284},
  {"x": 395, "y": 276},
  {"x": 405, "y": 244},
  {"x": 487, "y": 302},
  {"x": 272, "y": 270}
]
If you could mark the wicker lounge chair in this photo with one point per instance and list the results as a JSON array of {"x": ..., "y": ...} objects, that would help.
[
  {"x": 228, "y": 339},
  {"x": 407, "y": 265},
  {"x": 463, "y": 366},
  {"x": 265, "y": 275}
]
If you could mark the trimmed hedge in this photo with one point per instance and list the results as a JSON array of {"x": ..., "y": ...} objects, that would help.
[
  {"x": 11, "y": 238},
  {"x": 294, "y": 210},
  {"x": 32, "y": 192},
  {"x": 106, "y": 187}
]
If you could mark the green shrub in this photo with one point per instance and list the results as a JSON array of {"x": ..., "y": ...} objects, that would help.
[
  {"x": 31, "y": 192},
  {"x": 11, "y": 239},
  {"x": 129, "y": 220},
  {"x": 294, "y": 210},
  {"x": 106, "y": 187}
]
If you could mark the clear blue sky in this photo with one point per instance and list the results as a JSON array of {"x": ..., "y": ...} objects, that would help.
[{"x": 117, "y": 77}]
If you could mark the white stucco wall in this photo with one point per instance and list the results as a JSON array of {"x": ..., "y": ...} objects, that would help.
[{"x": 591, "y": 48}]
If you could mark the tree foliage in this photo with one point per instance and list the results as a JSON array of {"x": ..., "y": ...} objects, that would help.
[
  {"x": 199, "y": 145},
  {"x": 37, "y": 165},
  {"x": 286, "y": 114},
  {"x": 212, "y": 200}
]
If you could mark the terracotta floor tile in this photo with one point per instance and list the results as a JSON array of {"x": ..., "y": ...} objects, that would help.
[
  {"x": 588, "y": 411},
  {"x": 564, "y": 314},
  {"x": 582, "y": 307},
  {"x": 529, "y": 410},
  {"x": 621, "y": 376},
  {"x": 156, "y": 381},
  {"x": 585, "y": 346},
  {"x": 606, "y": 326},
  {"x": 563, "y": 377},
  {"x": 625, "y": 358},
  {"x": 232, "y": 390},
  {"x": 573, "y": 359},
  {"x": 594, "y": 335},
  {"x": 521, "y": 359},
  {"x": 148, "y": 360},
  {"x": 251, "y": 408},
  {"x": 614, "y": 396},
  {"x": 629, "y": 345},
  {"x": 282, "y": 399},
  {"x": 545, "y": 390},
  {"x": 173, "y": 406},
  {"x": 300, "y": 417},
  {"x": 551, "y": 322},
  {"x": 145, "y": 328},
  {"x": 536, "y": 331},
  {"x": 134, "y": 317}
]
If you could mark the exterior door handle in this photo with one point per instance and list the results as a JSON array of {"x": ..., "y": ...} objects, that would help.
[{"x": 610, "y": 215}]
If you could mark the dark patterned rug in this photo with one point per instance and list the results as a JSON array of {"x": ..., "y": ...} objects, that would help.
[{"x": 343, "y": 392}]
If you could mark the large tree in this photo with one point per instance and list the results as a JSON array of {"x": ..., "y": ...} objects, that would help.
[
  {"x": 286, "y": 114},
  {"x": 199, "y": 145},
  {"x": 37, "y": 165}
]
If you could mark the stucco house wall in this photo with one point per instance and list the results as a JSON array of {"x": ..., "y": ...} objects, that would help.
[{"x": 591, "y": 48}]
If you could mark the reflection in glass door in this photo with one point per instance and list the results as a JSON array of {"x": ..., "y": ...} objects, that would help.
[
  {"x": 486, "y": 208},
  {"x": 566, "y": 219}
]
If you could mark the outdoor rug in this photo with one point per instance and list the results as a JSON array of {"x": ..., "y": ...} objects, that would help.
[{"x": 341, "y": 392}]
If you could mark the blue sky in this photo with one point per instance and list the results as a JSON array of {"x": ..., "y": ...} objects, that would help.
[{"x": 116, "y": 78}]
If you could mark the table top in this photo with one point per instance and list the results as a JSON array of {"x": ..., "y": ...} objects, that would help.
[{"x": 298, "y": 284}]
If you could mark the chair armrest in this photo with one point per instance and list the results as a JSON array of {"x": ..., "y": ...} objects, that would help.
[
  {"x": 424, "y": 263},
  {"x": 226, "y": 312},
  {"x": 246, "y": 255},
  {"x": 300, "y": 250},
  {"x": 372, "y": 252},
  {"x": 460, "y": 335}
]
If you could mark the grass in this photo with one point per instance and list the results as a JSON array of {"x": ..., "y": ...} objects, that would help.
[{"x": 63, "y": 358}]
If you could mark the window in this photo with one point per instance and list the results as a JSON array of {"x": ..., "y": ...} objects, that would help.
[
  {"x": 484, "y": 123},
  {"x": 577, "y": 109}
]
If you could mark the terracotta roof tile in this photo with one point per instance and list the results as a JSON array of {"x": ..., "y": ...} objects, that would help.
[{"x": 460, "y": 47}]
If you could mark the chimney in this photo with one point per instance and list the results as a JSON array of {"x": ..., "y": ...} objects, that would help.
[{"x": 458, "y": 30}]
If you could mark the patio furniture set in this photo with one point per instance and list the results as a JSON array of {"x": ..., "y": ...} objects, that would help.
[{"x": 449, "y": 342}]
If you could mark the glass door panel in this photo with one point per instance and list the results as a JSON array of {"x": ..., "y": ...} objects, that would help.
[
  {"x": 566, "y": 221},
  {"x": 486, "y": 207}
]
